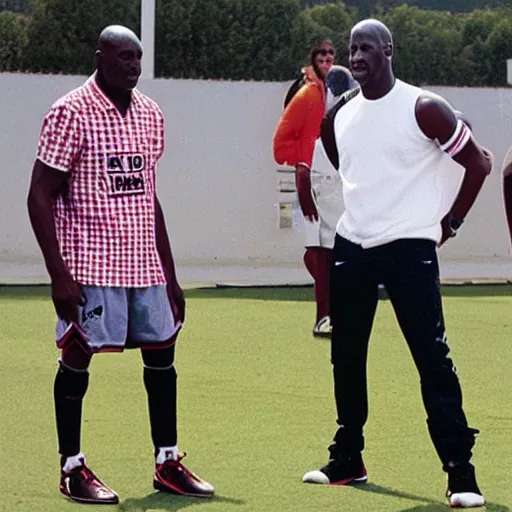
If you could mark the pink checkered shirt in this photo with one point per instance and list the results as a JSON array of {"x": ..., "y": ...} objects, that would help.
[{"x": 105, "y": 220}]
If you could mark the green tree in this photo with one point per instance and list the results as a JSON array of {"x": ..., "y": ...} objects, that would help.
[
  {"x": 487, "y": 36},
  {"x": 476, "y": 30},
  {"x": 367, "y": 7},
  {"x": 332, "y": 21},
  {"x": 237, "y": 39},
  {"x": 499, "y": 49},
  {"x": 428, "y": 45},
  {"x": 13, "y": 40},
  {"x": 63, "y": 33},
  {"x": 14, "y": 5},
  {"x": 264, "y": 39},
  {"x": 455, "y": 5}
]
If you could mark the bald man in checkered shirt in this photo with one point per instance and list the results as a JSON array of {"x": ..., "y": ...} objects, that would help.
[{"x": 93, "y": 207}]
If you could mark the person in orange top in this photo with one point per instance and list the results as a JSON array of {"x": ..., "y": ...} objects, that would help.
[
  {"x": 299, "y": 126},
  {"x": 296, "y": 143}
]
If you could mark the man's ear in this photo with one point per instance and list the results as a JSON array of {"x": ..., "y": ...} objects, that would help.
[
  {"x": 388, "y": 49},
  {"x": 97, "y": 58}
]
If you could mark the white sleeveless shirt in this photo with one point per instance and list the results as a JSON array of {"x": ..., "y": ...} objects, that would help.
[{"x": 390, "y": 170}]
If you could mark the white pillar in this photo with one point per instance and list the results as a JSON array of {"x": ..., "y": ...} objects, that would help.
[
  {"x": 147, "y": 30},
  {"x": 509, "y": 71}
]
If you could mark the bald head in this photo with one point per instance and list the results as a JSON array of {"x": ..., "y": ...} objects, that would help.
[
  {"x": 118, "y": 57},
  {"x": 115, "y": 34},
  {"x": 374, "y": 29},
  {"x": 371, "y": 52}
]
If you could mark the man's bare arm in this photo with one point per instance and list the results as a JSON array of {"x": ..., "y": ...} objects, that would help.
[
  {"x": 163, "y": 244},
  {"x": 438, "y": 121},
  {"x": 45, "y": 186}
]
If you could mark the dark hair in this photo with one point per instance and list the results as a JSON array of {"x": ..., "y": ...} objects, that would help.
[{"x": 317, "y": 48}]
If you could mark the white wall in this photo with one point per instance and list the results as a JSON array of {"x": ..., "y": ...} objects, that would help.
[{"x": 217, "y": 179}]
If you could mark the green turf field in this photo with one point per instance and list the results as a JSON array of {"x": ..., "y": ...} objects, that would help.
[{"x": 255, "y": 407}]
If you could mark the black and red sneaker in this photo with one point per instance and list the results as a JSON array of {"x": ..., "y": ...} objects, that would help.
[
  {"x": 344, "y": 470},
  {"x": 463, "y": 491},
  {"x": 82, "y": 485},
  {"x": 172, "y": 476}
]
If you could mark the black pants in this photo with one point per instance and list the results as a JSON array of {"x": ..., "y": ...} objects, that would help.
[{"x": 410, "y": 272}]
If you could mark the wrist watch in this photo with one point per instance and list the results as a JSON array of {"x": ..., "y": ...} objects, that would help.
[{"x": 454, "y": 224}]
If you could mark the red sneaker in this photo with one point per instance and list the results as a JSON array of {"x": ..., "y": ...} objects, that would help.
[
  {"x": 82, "y": 485},
  {"x": 172, "y": 476}
]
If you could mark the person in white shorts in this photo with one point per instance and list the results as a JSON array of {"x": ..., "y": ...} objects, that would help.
[{"x": 296, "y": 142}]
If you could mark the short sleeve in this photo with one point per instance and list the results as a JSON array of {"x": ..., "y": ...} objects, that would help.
[{"x": 60, "y": 139}]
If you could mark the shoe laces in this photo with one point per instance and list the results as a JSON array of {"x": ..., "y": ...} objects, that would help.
[
  {"x": 86, "y": 473},
  {"x": 174, "y": 463}
]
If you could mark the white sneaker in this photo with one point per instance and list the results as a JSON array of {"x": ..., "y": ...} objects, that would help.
[
  {"x": 323, "y": 329},
  {"x": 343, "y": 471},
  {"x": 466, "y": 500},
  {"x": 316, "y": 477},
  {"x": 463, "y": 491}
]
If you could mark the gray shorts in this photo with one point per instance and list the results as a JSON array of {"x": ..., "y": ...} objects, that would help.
[{"x": 113, "y": 319}]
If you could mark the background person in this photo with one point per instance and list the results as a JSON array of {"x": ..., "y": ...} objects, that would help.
[{"x": 296, "y": 143}]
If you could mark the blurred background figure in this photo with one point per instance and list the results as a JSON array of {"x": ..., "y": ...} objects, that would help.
[{"x": 297, "y": 143}]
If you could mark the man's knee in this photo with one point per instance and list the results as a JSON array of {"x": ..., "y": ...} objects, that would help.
[
  {"x": 76, "y": 354},
  {"x": 347, "y": 353},
  {"x": 437, "y": 368},
  {"x": 70, "y": 383},
  {"x": 160, "y": 377},
  {"x": 158, "y": 359}
]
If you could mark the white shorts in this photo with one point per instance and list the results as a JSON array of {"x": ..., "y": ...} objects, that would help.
[
  {"x": 113, "y": 319},
  {"x": 327, "y": 194}
]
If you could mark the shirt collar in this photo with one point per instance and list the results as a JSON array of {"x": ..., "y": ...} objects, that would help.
[{"x": 104, "y": 99}]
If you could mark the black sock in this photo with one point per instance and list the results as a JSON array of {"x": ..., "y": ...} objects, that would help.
[
  {"x": 69, "y": 389},
  {"x": 161, "y": 390}
]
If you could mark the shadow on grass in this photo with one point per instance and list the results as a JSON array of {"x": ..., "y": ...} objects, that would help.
[
  {"x": 429, "y": 504},
  {"x": 170, "y": 502},
  {"x": 388, "y": 491}
]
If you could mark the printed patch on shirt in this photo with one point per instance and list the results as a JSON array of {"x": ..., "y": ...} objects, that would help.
[{"x": 125, "y": 173}]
